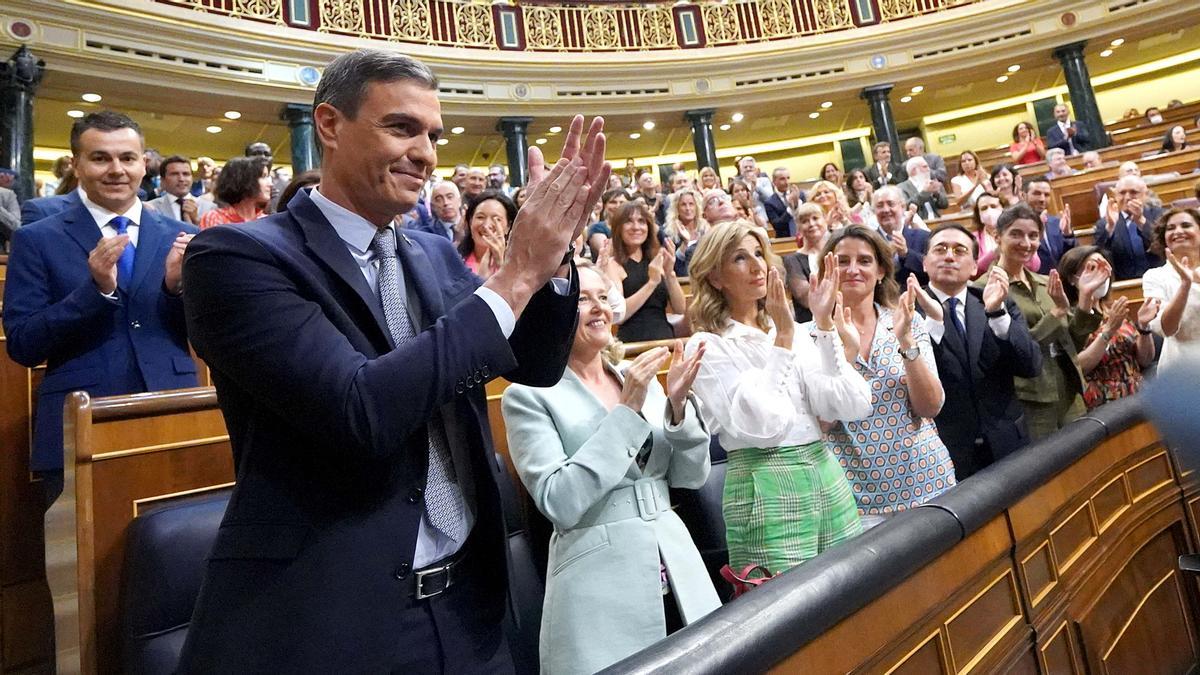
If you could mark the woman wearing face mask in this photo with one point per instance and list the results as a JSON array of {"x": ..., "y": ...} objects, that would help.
[
  {"x": 1176, "y": 285},
  {"x": 986, "y": 212},
  {"x": 1007, "y": 184},
  {"x": 485, "y": 239},
  {"x": 763, "y": 384},
  {"x": 598, "y": 452},
  {"x": 1175, "y": 140},
  {"x": 646, "y": 270},
  {"x": 1118, "y": 351},
  {"x": 1153, "y": 115},
  {"x": 1061, "y": 328},
  {"x": 1027, "y": 147},
  {"x": 812, "y": 233}
]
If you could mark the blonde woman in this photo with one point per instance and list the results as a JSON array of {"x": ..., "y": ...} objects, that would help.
[
  {"x": 833, "y": 203},
  {"x": 685, "y": 225},
  {"x": 598, "y": 452},
  {"x": 764, "y": 384},
  {"x": 709, "y": 179}
]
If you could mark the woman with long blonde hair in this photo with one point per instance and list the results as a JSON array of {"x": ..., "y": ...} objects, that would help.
[
  {"x": 685, "y": 225},
  {"x": 833, "y": 203},
  {"x": 764, "y": 384}
]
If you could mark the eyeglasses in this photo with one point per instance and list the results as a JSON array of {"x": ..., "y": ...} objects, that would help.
[
  {"x": 942, "y": 249},
  {"x": 717, "y": 199}
]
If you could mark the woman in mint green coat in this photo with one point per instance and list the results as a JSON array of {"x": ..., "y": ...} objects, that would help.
[{"x": 597, "y": 452}]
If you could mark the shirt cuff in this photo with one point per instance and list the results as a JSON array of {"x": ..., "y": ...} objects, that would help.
[
  {"x": 936, "y": 329},
  {"x": 500, "y": 309},
  {"x": 562, "y": 286},
  {"x": 999, "y": 325},
  {"x": 112, "y": 297}
]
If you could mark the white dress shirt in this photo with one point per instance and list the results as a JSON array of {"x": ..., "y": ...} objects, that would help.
[
  {"x": 756, "y": 395},
  {"x": 102, "y": 216},
  {"x": 1070, "y": 141},
  {"x": 937, "y": 329},
  {"x": 1163, "y": 283}
]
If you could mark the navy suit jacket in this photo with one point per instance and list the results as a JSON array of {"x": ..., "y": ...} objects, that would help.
[
  {"x": 54, "y": 313},
  {"x": 1125, "y": 261},
  {"x": 1053, "y": 245},
  {"x": 978, "y": 378},
  {"x": 33, "y": 210},
  {"x": 780, "y": 216},
  {"x": 1056, "y": 138},
  {"x": 327, "y": 419},
  {"x": 913, "y": 262}
]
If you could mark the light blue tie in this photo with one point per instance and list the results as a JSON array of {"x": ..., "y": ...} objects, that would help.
[
  {"x": 125, "y": 262},
  {"x": 443, "y": 496}
]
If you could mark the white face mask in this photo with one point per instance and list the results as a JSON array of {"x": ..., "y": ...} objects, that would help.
[
  {"x": 989, "y": 216},
  {"x": 1156, "y": 119},
  {"x": 1102, "y": 290}
]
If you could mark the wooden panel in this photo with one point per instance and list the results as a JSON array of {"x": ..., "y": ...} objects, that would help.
[
  {"x": 26, "y": 615},
  {"x": 1149, "y": 475},
  {"x": 986, "y": 619},
  {"x": 1110, "y": 502},
  {"x": 928, "y": 657},
  {"x": 1072, "y": 537},
  {"x": 1059, "y": 653},
  {"x": 1078, "y": 190},
  {"x": 1039, "y": 572}
]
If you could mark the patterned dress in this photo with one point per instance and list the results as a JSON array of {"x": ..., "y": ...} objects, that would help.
[
  {"x": 893, "y": 459},
  {"x": 1118, "y": 374}
]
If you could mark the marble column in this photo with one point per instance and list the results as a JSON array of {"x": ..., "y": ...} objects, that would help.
[
  {"x": 702, "y": 138},
  {"x": 516, "y": 145},
  {"x": 19, "y": 79},
  {"x": 304, "y": 146},
  {"x": 1083, "y": 97},
  {"x": 882, "y": 119}
]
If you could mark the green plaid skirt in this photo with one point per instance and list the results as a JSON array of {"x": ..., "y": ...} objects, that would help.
[{"x": 785, "y": 505}]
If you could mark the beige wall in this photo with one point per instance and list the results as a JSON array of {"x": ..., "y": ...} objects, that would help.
[
  {"x": 1155, "y": 89},
  {"x": 978, "y": 132}
]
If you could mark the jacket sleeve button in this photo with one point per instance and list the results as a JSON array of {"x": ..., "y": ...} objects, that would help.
[{"x": 402, "y": 571}]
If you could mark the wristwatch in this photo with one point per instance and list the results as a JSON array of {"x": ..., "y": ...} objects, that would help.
[
  {"x": 996, "y": 314},
  {"x": 911, "y": 354}
]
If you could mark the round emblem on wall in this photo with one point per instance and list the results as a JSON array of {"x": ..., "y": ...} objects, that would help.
[
  {"x": 20, "y": 29},
  {"x": 308, "y": 76},
  {"x": 520, "y": 91},
  {"x": 702, "y": 86},
  {"x": 879, "y": 62},
  {"x": 1068, "y": 19}
]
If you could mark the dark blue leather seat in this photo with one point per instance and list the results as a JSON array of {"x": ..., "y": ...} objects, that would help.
[
  {"x": 526, "y": 576},
  {"x": 701, "y": 511},
  {"x": 165, "y": 556}
]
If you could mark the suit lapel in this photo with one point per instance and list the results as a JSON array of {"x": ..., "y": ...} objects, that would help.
[
  {"x": 419, "y": 273},
  {"x": 324, "y": 242},
  {"x": 151, "y": 235},
  {"x": 81, "y": 227}
]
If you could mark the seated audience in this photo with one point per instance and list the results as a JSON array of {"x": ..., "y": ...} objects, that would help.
[
  {"x": 646, "y": 270},
  {"x": 1153, "y": 115},
  {"x": 709, "y": 179},
  {"x": 764, "y": 385},
  {"x": 1132, "y": 113},
  {"x": 718, "y": 205},
  {"x": 1091, "y": 160},
  {"x": 1119, "y": 350},
  {"x": 1056, "y": 159},
  {"x": 922, "y": 189},
  {"x": 970, "y": 182},
  {"x": 980, "y": 342},
  {"x": 908, "y": 243},
  {"x": 986, "y": 214},
  {"x": 588, "y": 450},
  {"x": 489, "y": 217},
  {"x": 610, "y": 203},
  {"x": 915, "y": 147},
  {"x": 244, "y": 185},
  {"x": 1066, "y": 134},
  {"x": 1126, "y": 229},
  {"x": 1059, "y": 236},
  {"x": 831, "y": 173},
  {"x": 1055, "y": 396},
  {"x": 1006, "y": 183},
  {"x": 1176, "y": 286},
  {"x": 204, "y": 176},
  {"x": 302, "y": 180},
  {"x": 894, "y": 458},
  {"x": 778, "y": 211},
  {"x": 1175, "y": 140},
  {"x": 473, "y": 183},
  {"x": 522, "y": 193},
  {"x": 802, "y": 264},
  {"x": 446, "y": 214},
  {"x": 1027, "y": 147},
  {"x": 883, "y": 171},
  {"x": 859, "y": 196},
  {"x": 833, "y": 205},
  {"x": 685, "y": 225}
]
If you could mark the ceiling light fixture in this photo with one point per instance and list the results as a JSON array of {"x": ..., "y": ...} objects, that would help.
[
  {"x": 1106, "y": 53},
  {"x": 1002, "y": 79},
  {"x": 737, "y": 117},
  {"x": 905, "y": 99},
  {"x": 92, "y": 98},
  {"x": 555, "y": 130},
  {"x": 635, "y": 135},
  {"x": 457, "y": 130},
  {"x": 813, "y": 115},
  {"x": 75, "y": 113},
  {"x": 213, "y": 129},
  {"x": 232, "y": 115},
  {"x": 1014, "y": 68},
  {"x": 443, "y": 141},
  {"x": 918, "y": 89},
  {"x": 827, "y": 105},
  {"x": 726, "y": 127},
  {"x": 648, "y": 125},
  {"x": 1117, "y": 43},
  {"x": 540, "y": 141}
]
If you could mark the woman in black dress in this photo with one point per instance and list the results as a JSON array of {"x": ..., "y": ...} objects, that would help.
[{"x": 646, "y": 270}]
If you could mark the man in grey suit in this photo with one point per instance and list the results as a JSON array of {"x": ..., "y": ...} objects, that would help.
[
  {"x": 915, "y": 147},
  {"x": 10, "y": 214},
  {"x": 177, "y": 201}
]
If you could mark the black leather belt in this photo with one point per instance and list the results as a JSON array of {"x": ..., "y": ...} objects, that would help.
[{"x": 435, "y": 579}]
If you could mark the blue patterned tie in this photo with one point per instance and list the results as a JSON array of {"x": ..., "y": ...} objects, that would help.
[
  {"x": 443, "y": 496},
  {"x": 125, "y": 262}
]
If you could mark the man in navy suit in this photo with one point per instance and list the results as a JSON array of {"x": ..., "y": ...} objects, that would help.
[
  {"x": 33, "y": 210},
  {"x": 980, "y": 341},
  {"x": 94, "y": 290},
  {"x": 1065, "y": 133},
  {"x": 895, "y": 226},
  {"x": 776, "y": 206},
  {"x": 364, "y": 533},
  {"x": 1126, "y": 229},
  {"x": 1058, "y": 237}
]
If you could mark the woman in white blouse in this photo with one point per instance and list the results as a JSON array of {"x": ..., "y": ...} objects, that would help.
[
  {"x": 1176, "y": 285},
  {"x": 763, "y": 385}
]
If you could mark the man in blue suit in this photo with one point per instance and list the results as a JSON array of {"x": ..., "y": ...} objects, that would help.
[
  {"x": 1126, "y": 230},
  {"x": 895, "y": 226},
  {"x": 778, "y": 212},
  {"x": 364, "y": 533},
  {"x": 980, "y": 347},
  {"x": 33, "y": 210},
  {"x": 94, "y": 290},
  {"x": 1066, "y": 134},
  {"x": 1058, "y": 237}
]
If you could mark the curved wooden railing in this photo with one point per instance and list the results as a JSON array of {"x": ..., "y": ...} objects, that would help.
[{"x": 1058, "y": 559}]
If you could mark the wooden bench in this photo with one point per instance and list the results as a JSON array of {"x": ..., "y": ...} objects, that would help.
[
  {"x": 1186, "y": 112},
  {"x": 122, "y": 454},
  {"x": 1078, "y": 190},
  {"x": 1113, "y": 155}
]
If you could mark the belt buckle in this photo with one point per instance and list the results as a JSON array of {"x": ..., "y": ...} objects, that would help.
[
  {"x": 421, "y": 594},
  {"x": 647, "y": 499}
]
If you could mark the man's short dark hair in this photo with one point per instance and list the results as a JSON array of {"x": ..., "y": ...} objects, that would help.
[
  {"x": 1018, "y": 211},
  {"x": 173, "y": 159},
  {"x": 103, "y": 120},
  {"x": 249, "y": 151},
  {"x": 239, "y": 179},
  {"x": 1037, "y": 178},
  {"x": 344, "y": 82},
  {"x": 612, "y": 194},
  {"x": 960, "y": 228}
]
